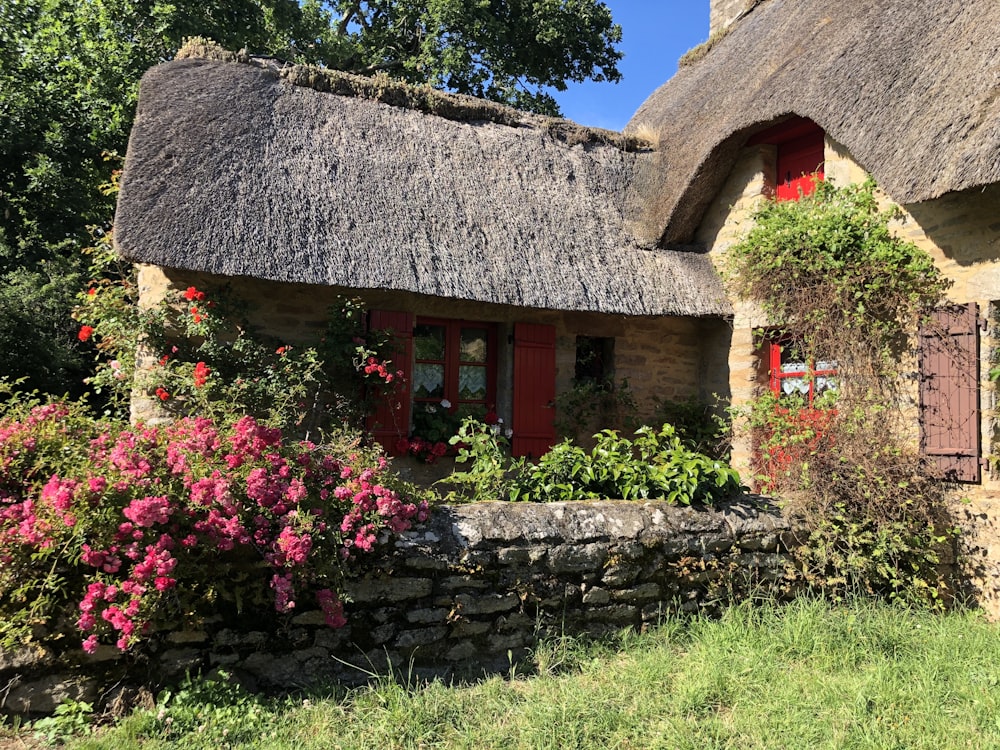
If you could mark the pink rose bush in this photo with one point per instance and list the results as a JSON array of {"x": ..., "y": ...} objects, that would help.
[{"x": 136, "y": 523}]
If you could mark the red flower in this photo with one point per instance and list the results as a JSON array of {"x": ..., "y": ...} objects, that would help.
[
  {"x": 439, "y": 449},
  {"x": 490, "y": 418},
  {"x": 201, "y": 373},
  {"x": 162, "y": 394},
  {"x": 91, "y": 292},
  {"x": 163, "y": 359},
  {"x": 282, "y": 350},
  {"x": 192, "y": 294},
  {"x": 402, "y": 446},
  {"x": 85, "y": 333}
]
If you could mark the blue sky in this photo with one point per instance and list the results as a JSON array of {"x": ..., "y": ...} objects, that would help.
[{"x": 655, "y": 33}]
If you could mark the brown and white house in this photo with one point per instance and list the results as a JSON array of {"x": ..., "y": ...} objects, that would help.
[{"x": 498, "y": 244}]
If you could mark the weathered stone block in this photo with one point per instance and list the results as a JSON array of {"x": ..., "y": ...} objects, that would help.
[
  {"x": 467, "y": 605},
  {"x": 596, "y": 597},
  {"x": 427, "y": 615},
  {"x": 24, "y": 658},
  {"x": 620, "y": 575},
  {"x": 622, "y": 614},
  {"x": 370, "y": 590},
  {"x": 463, "y": 583},
  {"x": 45, "y": 693},
  {"x": 177, "y": 661},
  {"x": 500, "y": 643},
  {"x": 470, "y": 628},
  {"x": 644, "y": 593},
  {"x": 420, "y": 637},
  {"x": 188, "y": 636},
  {"x": 513, "y": 556},
  {"x": 567, "y": 558},
  {"x": 463, "y": 651}
]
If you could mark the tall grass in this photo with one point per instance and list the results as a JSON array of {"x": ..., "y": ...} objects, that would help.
[{"x": 804, "y": 675}]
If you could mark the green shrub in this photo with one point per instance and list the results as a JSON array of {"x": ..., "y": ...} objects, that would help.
[
  {"x": 196, "y": 353},
  {"x": 655, "y": 464}
]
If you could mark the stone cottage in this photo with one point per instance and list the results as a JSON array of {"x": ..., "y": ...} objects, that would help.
[{"x": 498, "y": 246}]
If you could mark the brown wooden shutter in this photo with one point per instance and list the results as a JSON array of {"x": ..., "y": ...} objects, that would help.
[
  {"x": 391, "y": 418},
  {"x": 534, "y": 389},
  {"x": 949, "y": 393}
]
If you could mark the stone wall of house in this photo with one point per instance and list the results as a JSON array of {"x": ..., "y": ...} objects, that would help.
[
  {"x": 661, "y": 357},
  {"x": 961, "y": 231},
  {"x": 470, "y": 592},
  {"x": 726, "y": 221}
]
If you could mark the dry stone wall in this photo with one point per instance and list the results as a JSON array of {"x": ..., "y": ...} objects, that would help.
[{"x": 470, "y": 592}]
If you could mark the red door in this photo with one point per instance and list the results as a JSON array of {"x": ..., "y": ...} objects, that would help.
[{"x": 534, "y": 389}]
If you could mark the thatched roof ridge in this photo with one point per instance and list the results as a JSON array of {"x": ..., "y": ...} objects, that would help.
[
  {"x": 382, "y": 88},
  {"x": 233, "y": 170},
  {"x": 912, "y": 89}
]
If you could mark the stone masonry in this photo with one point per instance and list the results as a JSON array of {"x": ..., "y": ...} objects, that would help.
[{"x": 469, "y": 593}]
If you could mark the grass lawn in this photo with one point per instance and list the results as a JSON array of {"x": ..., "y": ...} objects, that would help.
[{"x": 806, "y": 675}]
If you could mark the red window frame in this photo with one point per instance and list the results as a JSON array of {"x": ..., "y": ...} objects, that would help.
[
  {"x": 452, "y": 361},
  {"x": 809, "y": 373}
]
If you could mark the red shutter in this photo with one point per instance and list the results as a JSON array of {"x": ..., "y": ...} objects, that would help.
[
  {"x": 534, "y": 389},
  {"x": 391, "y": 419},
  {"x": 949, "y": 393},
  {"x": 799, "y": 166}
]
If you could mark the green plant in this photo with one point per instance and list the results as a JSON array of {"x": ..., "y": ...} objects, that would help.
[
  {"x": 655, "y": 464},
  {"x": 71, "y": 718},
  {"x": 699, "y": 424},
  {"x": 763, "y": 675},
  {"x": 486, "y": 449},
  {"x": 120, "y": 529},
  {"x": 217, "y": 708},
  {"x": 196, "y": 353}
]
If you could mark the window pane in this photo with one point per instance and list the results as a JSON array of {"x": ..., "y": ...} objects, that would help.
[
  {"x": 428, "y": 381},
  {"x": 794, "y": 385},
  {"x": 472, "y": 383},
  {"x": 428, "y": 342},
  {"x": 474, "y": 345}
]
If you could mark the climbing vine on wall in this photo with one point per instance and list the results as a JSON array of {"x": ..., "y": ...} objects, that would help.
[{"x": 837, "y": 286}]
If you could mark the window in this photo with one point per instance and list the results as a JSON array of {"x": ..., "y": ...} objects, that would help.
[
  {"x": 454, "y": 361},
  {"x": 799, "y": 160},
  {"x": 594, "y": 360},
  {"x": 791, "y": 374}
]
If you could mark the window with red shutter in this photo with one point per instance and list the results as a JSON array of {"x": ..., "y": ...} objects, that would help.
[{"x": 799, "y": 161}]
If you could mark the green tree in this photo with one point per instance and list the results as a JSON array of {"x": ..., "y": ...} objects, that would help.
[{"x": 69, "y": 73}]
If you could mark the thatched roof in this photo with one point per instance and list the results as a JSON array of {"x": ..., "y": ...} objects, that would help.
[
  {"x": 910, "y": 87},
  {"x": 233, "y": 169}
]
